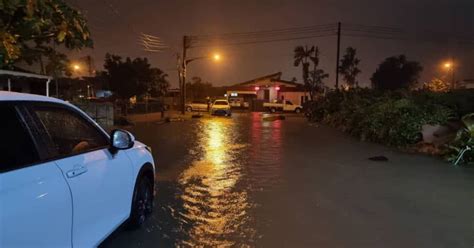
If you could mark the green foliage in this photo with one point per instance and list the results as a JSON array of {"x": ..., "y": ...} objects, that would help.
[
  {"x": 393, "y": 118},
  {"x": 464, "y": 139},
  {"x": 437, "y": 85},
  {"x": 28, "y": 30},
  {"x": 396, "y": 73}
]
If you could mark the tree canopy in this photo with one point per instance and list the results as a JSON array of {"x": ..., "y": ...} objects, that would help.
[
  {"x": 198, "y": 89},
  {"x": 28, "y": 29},
  {"x": 396, "y": 73},
  {"x": 135, "y": 77}
]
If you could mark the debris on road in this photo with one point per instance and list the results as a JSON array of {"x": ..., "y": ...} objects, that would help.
[
  {"x": 273, "y": 117},
  {"x": 379, "y": 158}
]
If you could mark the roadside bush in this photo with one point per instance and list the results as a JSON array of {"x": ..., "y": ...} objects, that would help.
[
  {"x": 463, "y": 144},
  {"x": 391, "y": 117}
]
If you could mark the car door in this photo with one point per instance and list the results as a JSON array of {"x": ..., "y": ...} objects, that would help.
[
  {"x": 288, "y": 106},
  {"x": 35, "y": 201},
  {"x": 101, "y": 182},
  {"x": 202, "y": 106}
]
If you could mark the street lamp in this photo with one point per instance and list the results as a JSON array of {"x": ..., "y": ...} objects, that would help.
[
  {"x": 449, "y": 66},
  {"x": 76, "y": 67},
  {"x": 215, "y": 57}
]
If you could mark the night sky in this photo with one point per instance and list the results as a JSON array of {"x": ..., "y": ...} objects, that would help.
[{"x": 118, "y": 32}]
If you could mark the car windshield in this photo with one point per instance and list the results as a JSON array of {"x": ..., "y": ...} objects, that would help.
[{"x": 221, "y": 103}]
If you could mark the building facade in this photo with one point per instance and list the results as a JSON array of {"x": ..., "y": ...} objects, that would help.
[{"x": 253, "y": 93}]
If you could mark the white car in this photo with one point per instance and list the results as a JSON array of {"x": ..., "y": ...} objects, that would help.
[
  {"x": 282, "y": 106},
  {"x": 197, "y": 106},
  {"x": 64, "y": 182},
  {"x": 221, "y": 107}
]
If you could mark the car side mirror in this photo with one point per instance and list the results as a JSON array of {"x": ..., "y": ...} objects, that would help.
[{"x": 121, "y": 140}]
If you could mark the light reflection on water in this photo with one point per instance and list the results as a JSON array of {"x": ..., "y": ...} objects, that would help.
[
  {"x": 212, "y": 201},
  {"x": 212, "y": 175}
]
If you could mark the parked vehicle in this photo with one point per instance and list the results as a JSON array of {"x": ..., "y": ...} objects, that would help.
[
  {"x": 221, "y": 107},
  {"x": 235, "y": 103},
  {"x": 63, "y": 180},
  {"x": 282, "y": 106},
  {"x": 197, "y": 106}
]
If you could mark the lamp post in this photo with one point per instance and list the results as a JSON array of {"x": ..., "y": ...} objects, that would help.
[
  {"x": 76, "y": 67},
  {"x": 215, "y": 57},
  {"x": 449, "y": 66}
]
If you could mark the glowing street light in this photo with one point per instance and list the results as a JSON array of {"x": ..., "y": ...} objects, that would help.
[
  {"x": 76, "y": 67},
  {"x": 449, "y": 66},
  {"x": 217, "y": 57}
]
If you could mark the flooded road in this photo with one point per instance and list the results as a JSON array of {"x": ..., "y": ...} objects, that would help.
[{"x": 241, "y": 181}]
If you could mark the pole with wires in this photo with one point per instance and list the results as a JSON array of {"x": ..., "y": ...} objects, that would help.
[
  {"x": 183, "y": 75},
  {"x": 338, "y": 53}
]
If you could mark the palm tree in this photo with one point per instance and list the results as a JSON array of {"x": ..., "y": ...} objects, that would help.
[
  {"x": 313, "y": 80},
  {"x": 302, "y": 56}
]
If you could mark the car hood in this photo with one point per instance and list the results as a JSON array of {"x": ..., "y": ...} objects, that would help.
[{"x": 220, "y": 106}]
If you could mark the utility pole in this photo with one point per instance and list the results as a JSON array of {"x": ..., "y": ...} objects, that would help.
[
  {"x": 89, "y": 65},
  {"x": 338, "y": 52},
  {"x": 453, "y": 81},
  {"x": 183, "y": 75}
]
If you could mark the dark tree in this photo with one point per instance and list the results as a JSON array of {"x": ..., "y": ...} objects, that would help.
[
  {"x": 199, "y": 90},
  {"x": 302, "y": 56},
  {"x": 135, "y": 77},
  {"x": 348, "y": 67},
  {"x": 396, "y": 73},
  {"x": 159, "y": 84},
  {"x": 313, "y": 80}
]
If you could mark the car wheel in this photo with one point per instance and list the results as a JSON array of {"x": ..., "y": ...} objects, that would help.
[
  {"x": 297, "y": 110},
  {"x": 189, "y": 109},
  {"x": 142, "y": 204}
]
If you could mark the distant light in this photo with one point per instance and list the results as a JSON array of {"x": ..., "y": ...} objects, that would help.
[
  {"x": 277, "y": 88},
  {"x": 76, "y": 67},
  {"x": 217, "y": 57},
  {"x": 257, "y": 88},
  {"x": 225, "y": 95},
  {"x": 234, "y": 94},
  {"x": 448, "y": 65}
]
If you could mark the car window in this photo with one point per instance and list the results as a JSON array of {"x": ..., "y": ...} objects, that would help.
[
  {"x": 289, "y": 103},
  {"x": 69, "y": 133},
  {"x": 16, "y": 145},
  {"x": 220, "y": 103}
]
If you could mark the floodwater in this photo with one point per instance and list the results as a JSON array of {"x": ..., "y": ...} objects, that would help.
[{"x": 242, "y": 181}]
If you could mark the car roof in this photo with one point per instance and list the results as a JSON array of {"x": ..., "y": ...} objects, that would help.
[
  {"x": 221, "y": 100},
  {"x": 15, "y": 96}
]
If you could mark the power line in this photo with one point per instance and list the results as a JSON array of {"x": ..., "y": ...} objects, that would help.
[
  {"x": 267, "y": 40},
  {"x": 263, "y": 32},
  {"x": 264, "y": 36}
]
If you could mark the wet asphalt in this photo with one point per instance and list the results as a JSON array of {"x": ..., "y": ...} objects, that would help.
[{"x": 245, "y": 182}]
